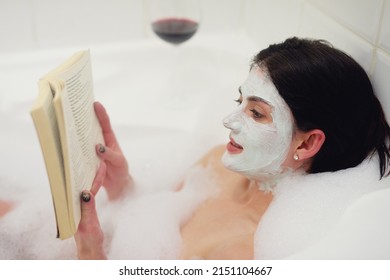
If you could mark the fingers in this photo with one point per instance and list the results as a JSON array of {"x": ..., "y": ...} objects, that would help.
[
  {"x": 89, "y": 216},
  {"x": 102, "y": 116},
  {"x": 105, "y": 124},
  {"x": 89, "y": 236},
  {"x": 99, "y": 178},
  {"x": 107, "y": 154}
]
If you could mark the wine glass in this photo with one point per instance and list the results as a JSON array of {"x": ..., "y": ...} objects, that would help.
[{"x": 174, "y": 21}]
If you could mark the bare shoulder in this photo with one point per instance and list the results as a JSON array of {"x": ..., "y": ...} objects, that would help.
[
  {"x": 213, "y": 156},
  {"x": 212, "y": 160}
]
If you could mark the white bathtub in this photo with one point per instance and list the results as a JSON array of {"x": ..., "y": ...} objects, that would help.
[
  {"x": 148, "y": 87},
  {"x": 163, "y": 101}
]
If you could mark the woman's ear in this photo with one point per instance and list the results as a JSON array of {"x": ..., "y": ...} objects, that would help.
[{"x": 311, "y": 143}]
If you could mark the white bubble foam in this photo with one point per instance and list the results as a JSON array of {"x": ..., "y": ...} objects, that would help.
[
  {"x": 306, "y": 208},
  {"x": 147, "y": 226},
  {"x": 159, "y": 159}
]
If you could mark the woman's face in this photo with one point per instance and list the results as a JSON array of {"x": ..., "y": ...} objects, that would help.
[{"x": 261, "y": 129}]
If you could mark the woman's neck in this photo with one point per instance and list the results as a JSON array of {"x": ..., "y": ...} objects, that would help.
[{"x": 250, "y": 194}]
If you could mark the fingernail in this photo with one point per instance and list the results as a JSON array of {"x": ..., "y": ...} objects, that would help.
[
  {"x": 102, "y": 149},
  {"x": 85, "y": 196}
]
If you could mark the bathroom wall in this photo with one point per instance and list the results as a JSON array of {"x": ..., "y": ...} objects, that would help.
[
  {"x": 360, "y": 27},
  {"x": 36, "y": 24}
]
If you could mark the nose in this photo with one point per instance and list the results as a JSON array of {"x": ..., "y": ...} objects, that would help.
[{"x": 232, "y": 122}]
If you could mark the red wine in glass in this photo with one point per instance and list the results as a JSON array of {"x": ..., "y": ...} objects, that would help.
[{"x": 175, "y": 30}]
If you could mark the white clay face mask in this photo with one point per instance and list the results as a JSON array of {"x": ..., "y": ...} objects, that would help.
[{"x": 262, "y": 147}]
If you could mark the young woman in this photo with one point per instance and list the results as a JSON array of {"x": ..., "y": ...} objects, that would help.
[{"x": 305, "y": 108}]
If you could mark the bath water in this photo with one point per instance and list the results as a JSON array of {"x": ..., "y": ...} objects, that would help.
[{"x": 158, "y": 159}]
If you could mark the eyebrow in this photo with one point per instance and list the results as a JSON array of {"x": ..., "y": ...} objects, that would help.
[{"x": 255, "y": 98}]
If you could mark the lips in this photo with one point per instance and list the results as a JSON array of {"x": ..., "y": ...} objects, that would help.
[{"x": 233, "y": 147}]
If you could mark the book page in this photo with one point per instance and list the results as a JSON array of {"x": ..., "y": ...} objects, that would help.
[
  {"x": 45, "y": 122},
  {"x": 82, "y": 130}
]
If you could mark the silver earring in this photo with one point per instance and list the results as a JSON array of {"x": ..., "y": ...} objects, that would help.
[{"x": 296, "y": 157}]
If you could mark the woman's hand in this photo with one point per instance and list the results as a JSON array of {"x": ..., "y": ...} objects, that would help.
[
  {"x": 89, "y": 236},
  {"x": 117, "y": 180}
]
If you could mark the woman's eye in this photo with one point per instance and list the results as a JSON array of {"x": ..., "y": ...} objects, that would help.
[
  {"x": 256, "y": 114},
  {"x": 238, "y": 101}
]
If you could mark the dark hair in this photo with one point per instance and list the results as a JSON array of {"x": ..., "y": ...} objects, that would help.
[{"x": 328, "y": 90}]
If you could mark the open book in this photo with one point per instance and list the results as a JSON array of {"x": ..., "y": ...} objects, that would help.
[{"x": 68, "y": 132}]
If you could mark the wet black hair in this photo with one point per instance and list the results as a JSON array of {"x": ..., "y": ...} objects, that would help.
[{"x": 327, "y": 89}]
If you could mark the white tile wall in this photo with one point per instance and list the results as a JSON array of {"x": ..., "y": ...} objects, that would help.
[
  {"x": 271, "y": 21},
  {"x": 359, "y": 27},
  {"x": 380, "y": 79},
  {"x": 316, "y": 24},
  {"x": 16, "y": 25},
  {"x": 221, "y": 16},
  {"x": 385, "y": 31},
  {"x": 361, "y": 16},
  {"x": 75, "y": 22}
]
